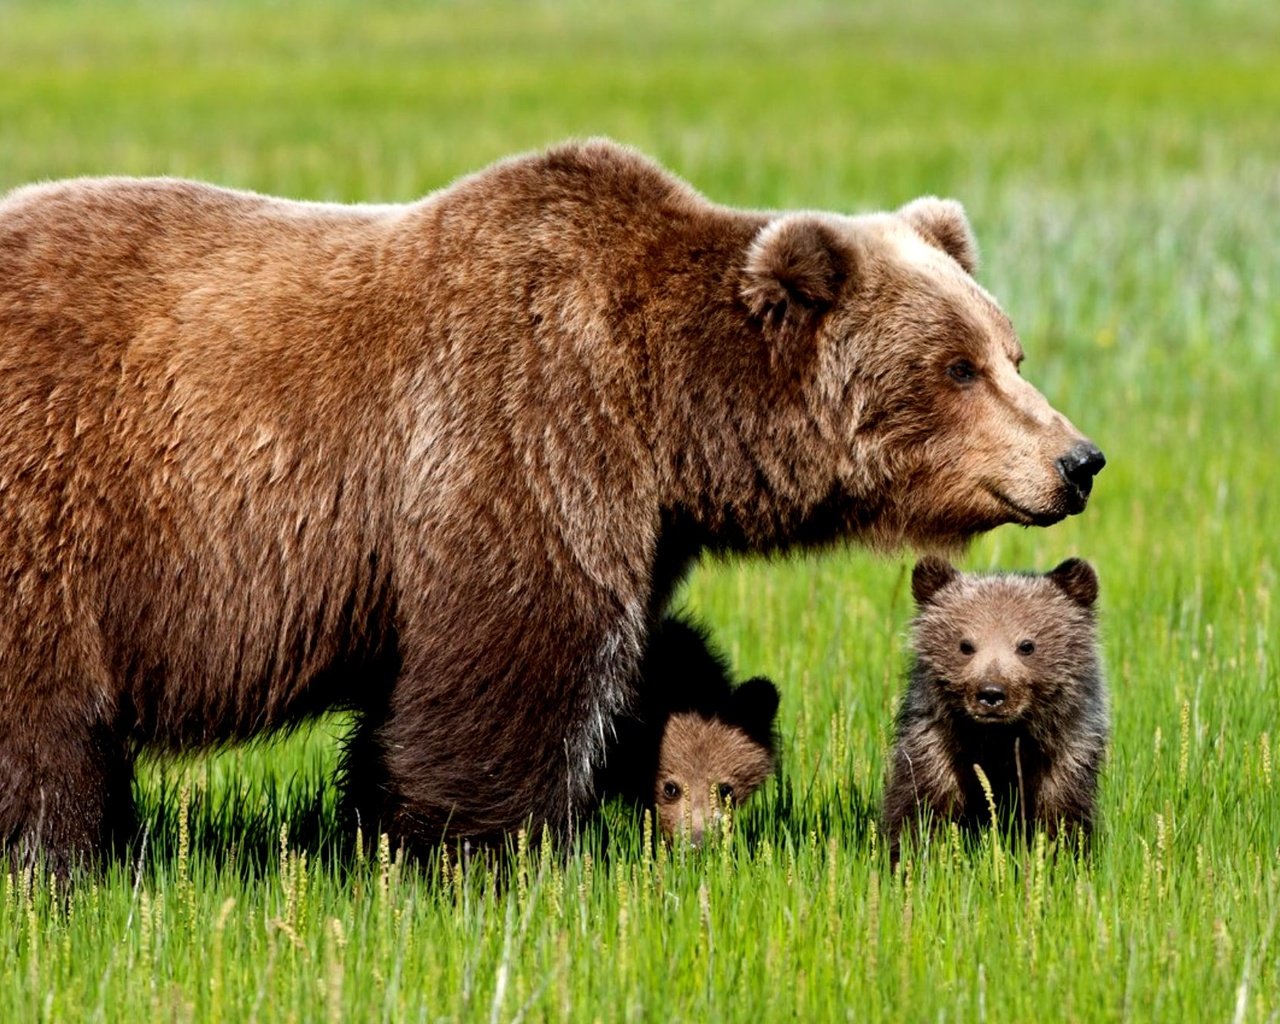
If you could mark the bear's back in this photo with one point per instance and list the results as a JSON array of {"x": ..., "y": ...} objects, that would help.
[{"x": 94, "y": 259}]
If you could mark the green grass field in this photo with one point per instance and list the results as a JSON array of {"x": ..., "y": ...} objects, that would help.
[{"x": 1121, "y": 165}]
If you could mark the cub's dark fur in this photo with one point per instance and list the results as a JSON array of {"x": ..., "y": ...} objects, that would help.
[
  {"x": 1007, "y": 677},
  {"x": 722, "y": 729}
]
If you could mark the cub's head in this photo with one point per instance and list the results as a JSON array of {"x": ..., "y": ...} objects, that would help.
[
  {"x": 910, "y": 420},
  {"x": 1005, "y": 648},
  {"x": 707, "y": 762}
]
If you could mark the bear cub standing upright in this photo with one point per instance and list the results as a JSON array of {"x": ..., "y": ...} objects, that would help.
[
  {"x": 1006, "y": 678},
  {"x": 695, "y": 742}
]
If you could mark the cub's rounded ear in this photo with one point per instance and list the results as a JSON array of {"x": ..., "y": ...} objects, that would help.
[
  {"x": 943, "y": 224},
  {"x": 753, "y": 706},
  {"x": 794, "y": 271},
  {"x": 929, "y": 576},
  {"x": 1075, "y": 578}
]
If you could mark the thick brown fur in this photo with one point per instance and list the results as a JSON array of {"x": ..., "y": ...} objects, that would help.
[
  {"x": 706, "y": 764},
  {"x": 443, "y": 463},
  {"x": 1006, "y": 676},
  {"x": 693, "y": 740}
]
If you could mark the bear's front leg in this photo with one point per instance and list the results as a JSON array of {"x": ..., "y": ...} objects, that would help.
[
  {"x": 1066, "y": 801},
  {"x": 922, "y": 781},
  {"x": 65, "y": 794},
  {"x": 492, "y": 728}
]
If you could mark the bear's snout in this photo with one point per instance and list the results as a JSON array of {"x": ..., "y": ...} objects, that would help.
[
  {"x": 994, "y": 697},
  {"x": 1078, "y": 468}
]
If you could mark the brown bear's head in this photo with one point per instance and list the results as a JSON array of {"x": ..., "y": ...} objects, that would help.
[
  {"x": 1005, "y": 648},
  {"x": 706, "y": 763},
  {"x": 912, "y": 422}
]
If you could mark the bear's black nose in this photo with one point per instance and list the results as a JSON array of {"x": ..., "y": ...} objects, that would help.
[
  {"x": 1078, "y": 468},
  {"x": 991, "y": 696}
]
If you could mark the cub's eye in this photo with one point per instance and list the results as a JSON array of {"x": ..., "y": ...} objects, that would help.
[
  {"x": 962, "y": 372},
  {"x": 966, "y": 648},
  {"x": 670, "y": 790},
  {"x": 725, "y": 791},
  {"x": 1026, "y": 647}
]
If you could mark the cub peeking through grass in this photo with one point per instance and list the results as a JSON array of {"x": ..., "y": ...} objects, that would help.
[
  {"x": 695, "y": 742},
  {"x": 1006, "y": 678}
]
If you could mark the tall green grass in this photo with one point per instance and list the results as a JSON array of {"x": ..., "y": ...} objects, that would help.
[{"x": 1120, "y": 166}]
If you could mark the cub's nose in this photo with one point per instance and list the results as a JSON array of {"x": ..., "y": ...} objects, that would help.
[
  {"x": 1078, "y": 468},
  {"x": 991, "y": 696}
]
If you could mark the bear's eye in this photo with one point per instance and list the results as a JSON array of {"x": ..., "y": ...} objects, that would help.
[
  {"x": 966, "y": 648},
  {"x": 670, "y": 790},
  {"x": 725, "y": 791},
  {"x": 962, "y": 372},
  {"x": 1026, "y": 647}
]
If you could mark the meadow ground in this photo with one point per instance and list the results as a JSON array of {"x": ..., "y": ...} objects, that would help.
[{"x": 1120, "y": 163}]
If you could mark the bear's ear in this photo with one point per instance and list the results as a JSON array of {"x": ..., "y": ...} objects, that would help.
[
  {"x": 753, "y": 707},
  {"x": 1075, "y": 578},
  {"x": 943, "y": 224},
  {"x": 930, "y": 575},
  {"x": 794, "y": 271}
]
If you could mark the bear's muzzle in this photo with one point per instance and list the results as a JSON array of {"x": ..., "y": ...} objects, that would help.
[{"x": 1078, "y": 468}]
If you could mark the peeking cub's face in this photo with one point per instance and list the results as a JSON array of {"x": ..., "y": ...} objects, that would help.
[{"x": 708, "y": 763}]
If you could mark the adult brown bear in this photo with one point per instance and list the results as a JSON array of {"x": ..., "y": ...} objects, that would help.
[{"x": 444, "y": 463}]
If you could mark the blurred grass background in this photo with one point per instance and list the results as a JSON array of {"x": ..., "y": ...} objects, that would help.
[{"x": 1121, "y": 165}]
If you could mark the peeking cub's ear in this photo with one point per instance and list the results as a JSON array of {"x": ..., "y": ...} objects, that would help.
[
  {"x": 930, "y": 575},
  {"x": 793, "y": 274},
  {"x": 752, "y": 707},
  {"x": 1075, "y": 578},
  {"x": 943, "y": 224}
]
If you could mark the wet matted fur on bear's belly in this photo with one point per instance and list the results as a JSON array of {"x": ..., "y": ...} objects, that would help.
[{"x": 444, "y": 462}]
